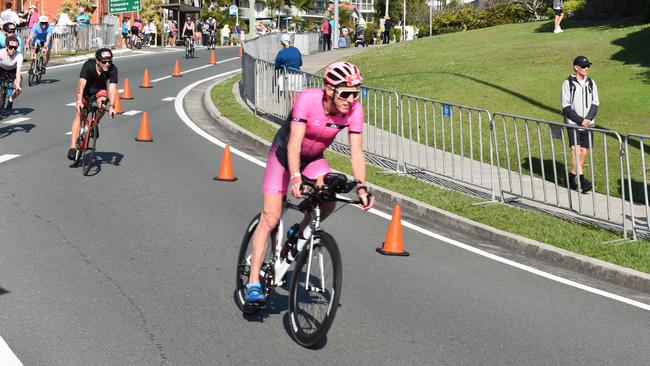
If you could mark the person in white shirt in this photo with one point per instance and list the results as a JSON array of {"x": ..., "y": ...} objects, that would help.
[
  {"x": 11, "y": 63},
  {"x": 9, "y": 15}
]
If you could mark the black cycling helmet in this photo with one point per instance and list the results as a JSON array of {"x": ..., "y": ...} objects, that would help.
[
  {"x": 103, "y": 54},
  {"x": 9, "y": 25}
]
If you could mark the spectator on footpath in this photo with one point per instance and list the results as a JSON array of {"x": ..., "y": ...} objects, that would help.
[
  {"x": 174, "y": 33},
  {"x": 8, "y": 15},
  {"x": 167, "y": 32},
  {"x": 558, "y": 8},
  {"x": 198, "y": 33},
  {"x": 327, "y": 35},
  {"x": 63, "y": 24},
  {"x": 153, "y": 30},
  {"x": 388, "y": 26},
  {"x": 225, "y": 35},
  {"x": 237, "y": 35},
  {"x": 580, "y": 105},
  {"x": 288, "y": 59},
  {"x": 125, "y": 30},
  {"x": 147, "y": 34},
  {"x": 83, "y": 20},
  {"x": 32, "y": 16}
]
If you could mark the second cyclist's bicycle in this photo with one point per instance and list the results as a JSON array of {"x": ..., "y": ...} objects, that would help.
[
  {"x": 212, "y": 41},
  {"x": 6, "y": 91},
  {"x": 189, "y": 47},
  {"x": 87, "y": 139},
  {"x": 315, "y": 285},
  {"x": 36, "y": 68}
]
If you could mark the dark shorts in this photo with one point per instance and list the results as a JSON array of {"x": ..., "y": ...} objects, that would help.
[
  {"x": 8, "y": 74},
  {"x": 97, "y": 93},
  {"x": 558, "y": 12},
  {"x": 188, "y": 33},
  {"x": 582, "y": 136},
  {"x": 124, "y": 35}
]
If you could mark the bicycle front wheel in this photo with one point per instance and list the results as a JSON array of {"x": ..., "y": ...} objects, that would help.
[
  {"x": 88, "y": 154},
  {"x": 315, "y": 291},
  {"x": 31, "y": 74},
  {"x": 243, "y": 266},
  {"x": 39, "y": 70}
]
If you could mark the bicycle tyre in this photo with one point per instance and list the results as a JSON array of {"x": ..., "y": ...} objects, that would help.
[
  {"x": 89, "y": 153},
  {"x": 306, "y": 330},
  {"x": 3, "y": 100},
  {"x": 192, "y": 52},
  {"x": 138, "y": 44},
  {"x": 243, "y": 266},
  {"x": 31, "y": 75},
  {"x": 39, "y": 72}
]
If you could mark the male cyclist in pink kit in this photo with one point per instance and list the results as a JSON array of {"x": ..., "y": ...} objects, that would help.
[{"x": 297, "y": 150}]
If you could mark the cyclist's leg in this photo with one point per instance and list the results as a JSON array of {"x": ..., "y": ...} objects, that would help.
[
  {"x": 101, "y": 97},
  {"x": 46, "y": 54}
]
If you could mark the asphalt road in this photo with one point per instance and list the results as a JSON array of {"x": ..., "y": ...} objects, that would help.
[{"x": 135, "y": 265}]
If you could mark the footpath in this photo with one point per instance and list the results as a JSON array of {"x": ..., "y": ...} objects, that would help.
[{"x": 213, "y": 122}]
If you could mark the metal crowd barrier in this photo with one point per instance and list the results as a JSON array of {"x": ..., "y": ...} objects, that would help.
[
  {"x": 535, "y": 160},
  {"x": 637, "y": 170},
  {"x": 70, "y": 39},
  {"x": 448, "y": 139}
]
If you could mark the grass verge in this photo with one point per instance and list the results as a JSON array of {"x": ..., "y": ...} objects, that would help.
[{"x": 576, "y": 238}]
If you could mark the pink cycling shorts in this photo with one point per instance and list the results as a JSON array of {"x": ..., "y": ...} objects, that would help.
[{"x": 276, "y": 177}]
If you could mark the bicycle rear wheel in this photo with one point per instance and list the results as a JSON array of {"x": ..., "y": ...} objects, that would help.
[
  {"x": 88, "y": 154},
  {"x": 315, "y": 291},
  {"x": 39, "y": 70},
  {"x": 187, "y": 49},
  {"x": 243, "y": 267},
  {"x": 31, "y": 74},
  {"x": 3, "y": 100}
]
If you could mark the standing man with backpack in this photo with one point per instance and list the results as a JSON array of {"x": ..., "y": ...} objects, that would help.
[{"x": 580, "y": 104}]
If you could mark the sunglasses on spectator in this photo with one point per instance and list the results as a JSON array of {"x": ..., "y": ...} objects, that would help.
[
  {"x": 10, "y": 30},
  {"x": 12, "y": 47},
  {"x": 345, "y": 94},
  {"x": 584, "y": 66}
]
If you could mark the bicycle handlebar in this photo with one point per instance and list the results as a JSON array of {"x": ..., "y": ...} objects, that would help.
[{"x": 334, "y": 185}]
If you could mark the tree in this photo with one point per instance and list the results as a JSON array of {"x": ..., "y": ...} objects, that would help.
[{"x": 534, "y": 6}]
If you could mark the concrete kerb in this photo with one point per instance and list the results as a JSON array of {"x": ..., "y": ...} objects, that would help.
[{"x": 576, "y": 262}]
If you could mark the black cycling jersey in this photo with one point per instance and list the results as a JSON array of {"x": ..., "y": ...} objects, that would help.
[{"x": 94, "y": 81}]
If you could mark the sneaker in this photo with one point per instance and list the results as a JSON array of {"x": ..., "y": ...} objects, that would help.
[
  {"x": 585, "y": 184},
  {"x": 557, "y": 30},
  {"x": 72, "y": 152},
  {"x": 572, "y": 182},
  {"x": 254, "y": 294}
]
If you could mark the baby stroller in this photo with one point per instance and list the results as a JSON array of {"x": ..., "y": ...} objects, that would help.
[{"x": 360, "y": 36}]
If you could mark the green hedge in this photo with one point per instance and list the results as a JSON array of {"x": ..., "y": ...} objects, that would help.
[{"x": 468, "y": 17}]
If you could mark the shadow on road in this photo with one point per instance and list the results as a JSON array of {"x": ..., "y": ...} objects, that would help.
[
  {"x": 19, "y": 111},
  {"x": 101, "y": 158},
  {"x": 3, "y": 291},
  {"x": 8, "y": 130},
  {"x": 49, "y": 81}
]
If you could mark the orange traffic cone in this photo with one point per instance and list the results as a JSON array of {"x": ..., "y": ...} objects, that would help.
[
  {"x": 241, "y": 51},
  {"x": 126, "y": 93},
  {"x": 117, "y": 106},
  {"x": 177, "y": 69},
  {"x": 145, "y": 80},
  {"x": 225, "y": 171},
  {"x": 143, "y": 134},
  {"x": 393, "y": 244},
  {"x": 213, "y": 58}
]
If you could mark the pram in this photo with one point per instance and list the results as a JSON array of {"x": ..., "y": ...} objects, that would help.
[{"x": 360, "y": 36}]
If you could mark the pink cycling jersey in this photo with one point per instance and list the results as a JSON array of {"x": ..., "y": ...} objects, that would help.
[{"x": 321, "y": 129}]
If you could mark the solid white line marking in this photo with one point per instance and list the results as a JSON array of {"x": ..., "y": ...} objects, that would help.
[
  {"x": 71, "y": 104},
  {"x": 131, "y": 113},
  {"x": 3, "y": 158},
  {"x": 69, "y": 133},
  {"x": 194, "y": 69},
  {"x": 168, "y": 99},
  {"x": 7, "y": 357},
  {"x": 178, "y": 105},
  {"x": 16, "y": 120}
]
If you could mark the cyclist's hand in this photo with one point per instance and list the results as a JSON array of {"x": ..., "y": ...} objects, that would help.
[
  {"x": 367, "y": 200},
  {"x": 79, "y": 105},
  {"x": 294, "y": 185}
]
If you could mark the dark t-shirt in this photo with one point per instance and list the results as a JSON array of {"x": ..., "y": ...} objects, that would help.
[
  {"x": 95, "y": 82},
  {"x": 388, "y": 24}
]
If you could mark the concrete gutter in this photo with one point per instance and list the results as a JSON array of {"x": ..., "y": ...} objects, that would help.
[{"x": 592, "y": 267}]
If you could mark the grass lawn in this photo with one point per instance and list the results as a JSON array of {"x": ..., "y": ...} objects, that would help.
[{"x": 563, "y": 234}]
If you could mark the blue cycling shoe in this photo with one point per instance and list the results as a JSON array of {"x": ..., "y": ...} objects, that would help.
[{"x": 254, "y": 296}]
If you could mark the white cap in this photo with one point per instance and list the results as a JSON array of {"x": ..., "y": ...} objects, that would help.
[
  {"x": 285, "y": 37},
  {"x": 43, "y": 19}
]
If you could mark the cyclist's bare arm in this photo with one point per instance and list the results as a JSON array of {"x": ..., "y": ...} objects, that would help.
[
  {"x": 112, "y": 94},
  {"x": 79, "y": 94},
  {"x": 358, "y": 161},
  {"x": 293, "y": 156}
]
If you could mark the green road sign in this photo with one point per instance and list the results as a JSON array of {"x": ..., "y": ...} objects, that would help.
[{"x": 123, "y": 6}]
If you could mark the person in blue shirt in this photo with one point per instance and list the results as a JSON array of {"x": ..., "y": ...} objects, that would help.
[
  {"x": 288, "y": 56},
  {"x": 41, "y": 33},
  {"x": 82, "y": 19},
  {"x": 9, "y": 29}
]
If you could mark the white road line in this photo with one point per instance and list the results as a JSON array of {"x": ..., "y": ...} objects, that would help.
[
  {"x": 16, "y": 120},
  {"x": 7, "y": 357},
  {"x": 194, "y": 69},
  {"x": 3, "y": 158},
  {"x": 168, "y": 99},
  {"x": 117, "y": 57},
  {"x": 131, "y": 113},
  {"x": 69, "y": 133},
  {"x": 71, "y": 104},
  {"x": 178, "y": 105}
]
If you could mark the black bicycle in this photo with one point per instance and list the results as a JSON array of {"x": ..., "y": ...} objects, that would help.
[
  {"x": 315, "y": 286},
  {"x": 6, "y": 90},
  {"x": 189, "y": 47},
  {"x": 212, "y": 41},
  {"x": 36, "y": 68}
]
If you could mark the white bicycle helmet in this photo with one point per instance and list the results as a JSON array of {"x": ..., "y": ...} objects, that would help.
[{"x": 43, "y": 19}]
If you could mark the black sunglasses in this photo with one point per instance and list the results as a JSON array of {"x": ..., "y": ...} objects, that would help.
[
  {"x": 10, "y": 30},
  {"x": 584, "y": 66},
  {"x": 12, "y": 47},
  {"x": 106, "y": 62}
]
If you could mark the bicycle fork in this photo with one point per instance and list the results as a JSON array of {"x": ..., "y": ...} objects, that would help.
[{"x": 315, "y": 226}]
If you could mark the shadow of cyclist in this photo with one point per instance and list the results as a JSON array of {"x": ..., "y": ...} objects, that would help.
[{"x": 8, "y": 130}]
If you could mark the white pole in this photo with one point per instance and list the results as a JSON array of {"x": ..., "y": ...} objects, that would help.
[
  {"x": 404, "y": 23},
  {"x": 335, "y": 31},
  {"x": 251, "y": 19},
  {"x": 386, "y": 12},
  {"x": 430, "y": 18}
]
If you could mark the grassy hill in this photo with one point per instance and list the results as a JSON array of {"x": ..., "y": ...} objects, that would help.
[{"x": 519, "y": 69}]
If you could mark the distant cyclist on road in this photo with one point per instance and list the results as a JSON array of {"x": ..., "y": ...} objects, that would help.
[
  {"x": 318, "y": 116},
  {"x": 95, "y": 75},
  {"x": 41, "y": 33},
  {"x": 211, "y": 28},
  {"x": 189, "y": 28},
  {"x": 11, "y": 63}
]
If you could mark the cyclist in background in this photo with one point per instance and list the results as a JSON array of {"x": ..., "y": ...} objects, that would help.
[
  {"x": 11, "y": 63},
  {"x": 211, "y": 27},
  {"x": 318, "y": 116},
  {"x": 189, "y": 28},
  {"x": 9, "y": 29},
  {"x": 41, "y": 33},
  {"x": 136, "y": 28},
  {"x": 95, "y": 75}
]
